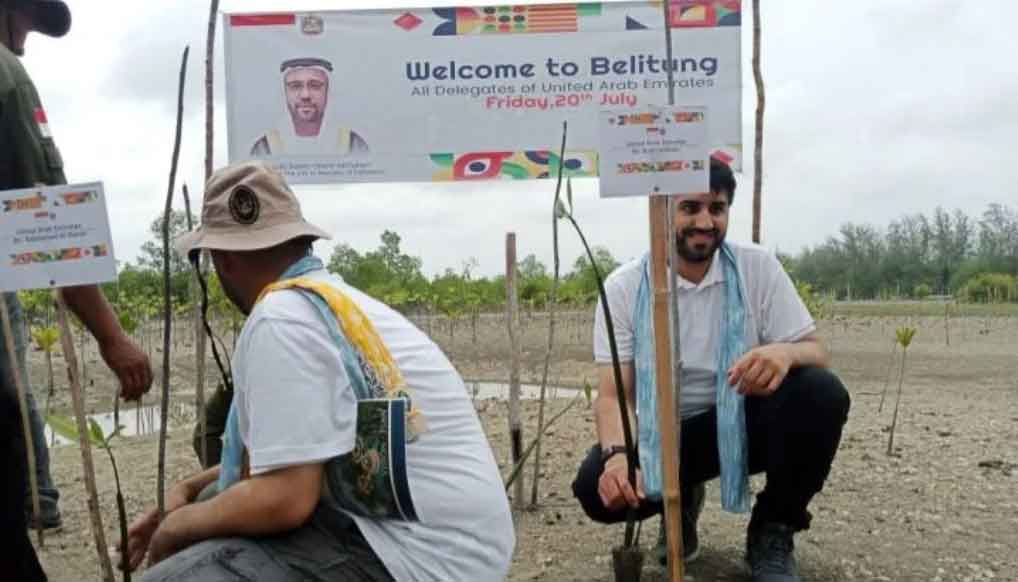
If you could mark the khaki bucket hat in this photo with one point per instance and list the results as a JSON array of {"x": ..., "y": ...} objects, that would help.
[{"x": 248, "y": 206}]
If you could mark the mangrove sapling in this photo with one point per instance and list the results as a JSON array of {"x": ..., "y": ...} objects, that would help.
[
  {"x": 552, "y": 303},
  {"x": 66, "y": 428},
  {"x": 566, "y": 212},
  {"x": 890, "y": 373},
  {"x": 84, "y": 445},
  {"x": 46, "y": 339},
  {"x": 904, "y": 336}
]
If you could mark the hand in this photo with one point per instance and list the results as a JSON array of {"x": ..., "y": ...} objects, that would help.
[
  {"x": 140, "y": 532},
  {"x": 167, "y": 540},
  {"x": 130, "y": 364},
  {"x": 613, "y": 485},
  {"x": 761, "y": 370}
]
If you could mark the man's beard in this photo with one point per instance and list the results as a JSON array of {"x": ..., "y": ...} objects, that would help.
[
  {"x": 698, "y": 252},
  {"x": 299, "y": 118},
  {"x": 233, "y": 296}
]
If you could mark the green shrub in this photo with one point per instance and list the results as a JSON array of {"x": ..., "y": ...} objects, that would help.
[{"x": 990, "y": 288}]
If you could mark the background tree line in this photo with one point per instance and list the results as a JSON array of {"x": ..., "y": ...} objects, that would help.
[
  {"x": 915, "y": 256},
  {"x": 387, "y": 273}
]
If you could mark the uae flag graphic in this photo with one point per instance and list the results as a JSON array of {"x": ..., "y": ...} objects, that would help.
[{"x": 42, "y": 123}]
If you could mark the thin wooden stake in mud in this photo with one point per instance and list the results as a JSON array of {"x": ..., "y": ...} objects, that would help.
[
  {"x": 512, "y": 315},
  {"x": 12, "y": 357},
  {"x": 71, "y": 359},
  {"x": 167, "y": 299},
  {"x": 761, "y": 103}
]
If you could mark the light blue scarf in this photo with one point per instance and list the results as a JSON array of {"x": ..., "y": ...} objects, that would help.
[
  {"x": 362, "y": 378},
  {"x": 731, "y": 413}
]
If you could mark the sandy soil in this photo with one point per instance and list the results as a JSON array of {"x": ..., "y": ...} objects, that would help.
[{"x": 944, "y": 509}]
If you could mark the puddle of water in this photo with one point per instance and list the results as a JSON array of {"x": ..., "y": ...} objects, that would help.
[
  {"x": 136, "y": 422},
  {"x": 146, "y": 421}
]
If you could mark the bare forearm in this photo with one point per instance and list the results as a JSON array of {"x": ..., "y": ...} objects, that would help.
[
  {"x": 809, "y": 352},
  {"x": 89, "y": 304},
  {"x": 263, "y": 505},
  {"x": 607, "y": 416},
  {"x": 608, "y": 421}
]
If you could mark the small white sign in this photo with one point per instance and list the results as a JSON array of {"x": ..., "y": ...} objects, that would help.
[
  {"x": 654, "y": 150},
  {"x": 55, "y": 236}
]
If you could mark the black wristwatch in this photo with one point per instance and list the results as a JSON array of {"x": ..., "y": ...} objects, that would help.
[{"x": 611, "y": 452}]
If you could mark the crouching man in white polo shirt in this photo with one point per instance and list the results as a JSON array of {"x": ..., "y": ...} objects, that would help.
[
  {"x": 755, "y": 392},
  {"x": 352, "y": 450}
]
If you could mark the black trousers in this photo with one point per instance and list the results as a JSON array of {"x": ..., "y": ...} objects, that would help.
[
  {"x": 17, "y": 556},
  {"x": 793, "y": 437}
]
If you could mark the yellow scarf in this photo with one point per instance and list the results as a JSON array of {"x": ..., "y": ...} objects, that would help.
[{"x": 360, "y": 332}]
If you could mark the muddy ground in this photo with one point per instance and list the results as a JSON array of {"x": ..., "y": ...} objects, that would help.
[{"x": 945, "y": 508}]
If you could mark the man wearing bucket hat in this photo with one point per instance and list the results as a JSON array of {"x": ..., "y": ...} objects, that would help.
[
  {"x": 28, "y": 156},
  {"x": 313, "y": 355}
]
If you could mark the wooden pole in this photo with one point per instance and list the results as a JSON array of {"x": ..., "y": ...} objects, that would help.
[
  {"x": 512, "y": 315},
  {"x": 758, "y": 142},
  {"x": 12, "y": 357},
  {"x": 210, "y": 45},
  {"x": 167, "y": 299},
  {"x": 199, "y": 344},
  {"x": 71, "y": 359},
  {"x": 667, "y": 400}
]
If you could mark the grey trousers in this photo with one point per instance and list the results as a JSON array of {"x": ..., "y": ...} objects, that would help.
[
  {"x": 48, "y": 494},
  {"x": 328, "y": 548}
]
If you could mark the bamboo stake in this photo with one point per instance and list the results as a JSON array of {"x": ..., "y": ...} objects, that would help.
[
  {"x": 167, "y": 308},
  {"x": 666, "y": 330},
  {"x": 513, "y": 307},
  {"x": 660, "y": 230},
  {"x": 12, "y": 357},
  {"x": 71, "y": 359}
]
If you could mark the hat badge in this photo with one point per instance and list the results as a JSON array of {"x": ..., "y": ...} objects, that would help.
[{"x": 244, "y": 205}]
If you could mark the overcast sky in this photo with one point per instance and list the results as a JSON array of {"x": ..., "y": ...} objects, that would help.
[{"x": 875, "y": 108}]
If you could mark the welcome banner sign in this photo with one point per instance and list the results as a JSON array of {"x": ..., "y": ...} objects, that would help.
[{"x": 468, "y": 93}]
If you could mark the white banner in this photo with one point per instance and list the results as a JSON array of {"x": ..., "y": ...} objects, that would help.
[
  {"x": 654, "y": 151},
  {"x": 55, "y": 236},
  {"x": 472, "y": 92}
]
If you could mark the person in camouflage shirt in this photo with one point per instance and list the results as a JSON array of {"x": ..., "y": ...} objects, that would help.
[{"x": 29, "y": 157}]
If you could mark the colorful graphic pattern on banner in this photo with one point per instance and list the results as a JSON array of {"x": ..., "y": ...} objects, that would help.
[
  {"x": 67, "y": 254},
  {"x": 408, "y": 95},
  {"x": 512, "y": 165}
]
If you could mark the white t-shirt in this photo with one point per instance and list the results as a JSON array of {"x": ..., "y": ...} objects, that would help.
[
  {"x": 295, "y": 406},
  {"x": 774, "y": 314}
]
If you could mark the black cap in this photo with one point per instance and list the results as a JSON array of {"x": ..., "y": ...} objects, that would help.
[{"x": 50, "y": 17}]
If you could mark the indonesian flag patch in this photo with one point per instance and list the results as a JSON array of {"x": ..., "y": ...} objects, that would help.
[{"x": 42, "y": 123}]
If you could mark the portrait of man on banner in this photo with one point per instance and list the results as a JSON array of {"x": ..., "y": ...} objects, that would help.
[{"x": 307, "y": 127}]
